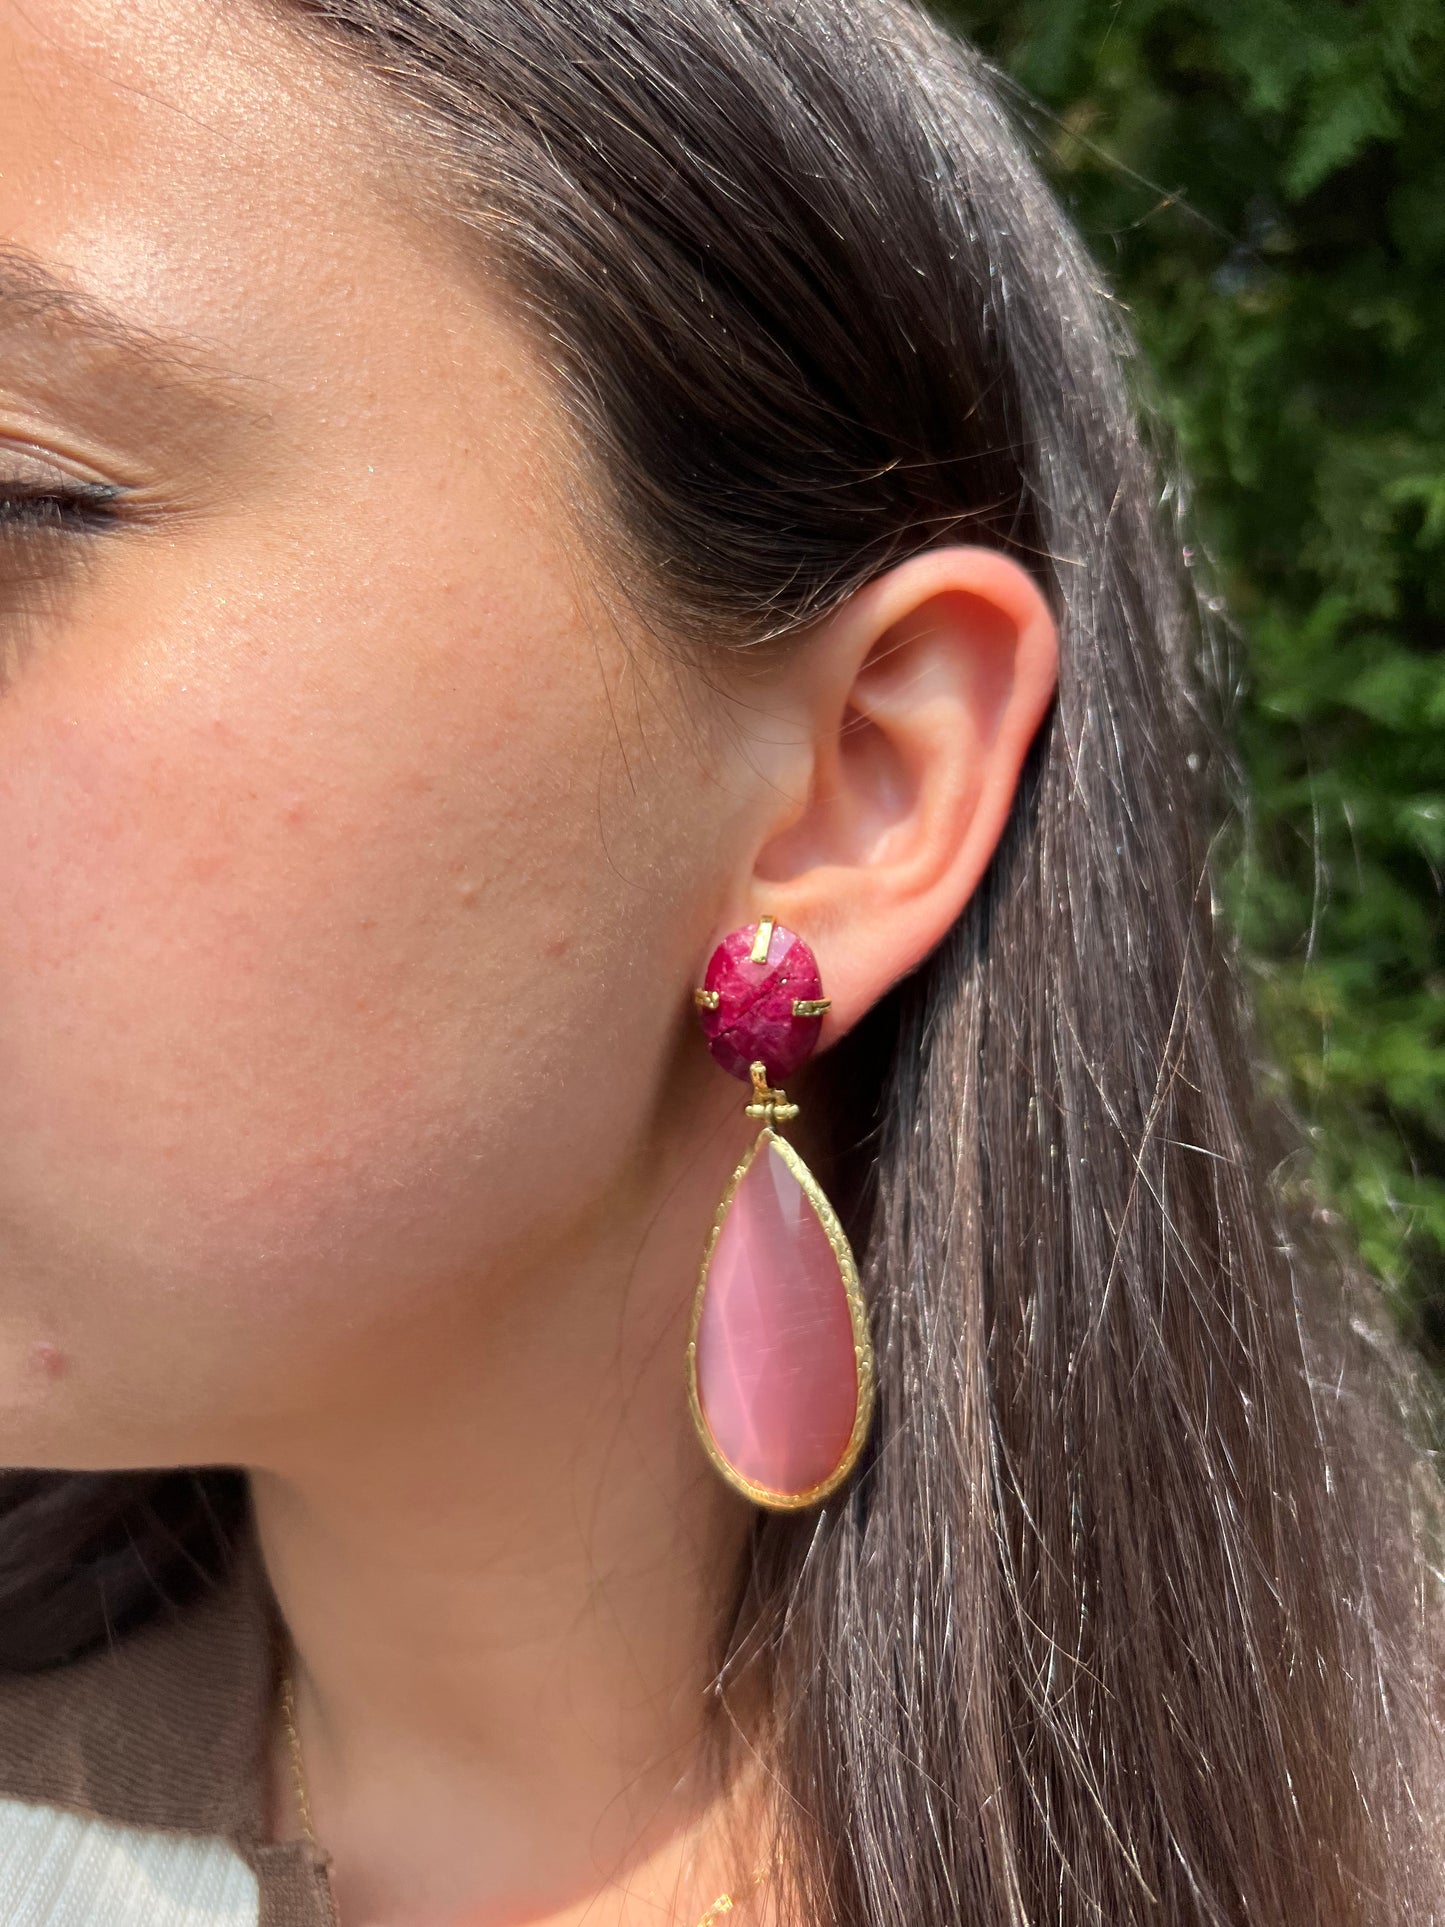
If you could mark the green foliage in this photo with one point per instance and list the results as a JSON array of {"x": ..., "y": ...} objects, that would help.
[{"x": 1264, "y": 182}]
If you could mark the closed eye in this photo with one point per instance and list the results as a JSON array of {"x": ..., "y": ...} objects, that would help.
[
  {"x": 81, "y": 508},
  {"x": 47, "y": 542}
]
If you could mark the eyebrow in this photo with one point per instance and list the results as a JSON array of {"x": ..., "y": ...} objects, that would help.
[{"x": 32, "y": 294}]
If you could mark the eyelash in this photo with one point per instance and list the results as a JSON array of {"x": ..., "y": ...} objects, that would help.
[{"x": 82, "y": 509}]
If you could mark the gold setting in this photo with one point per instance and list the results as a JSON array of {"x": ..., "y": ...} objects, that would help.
[
  {"x": 811, "y": 1006},
  {"x": 771, "y": 1104},
  {"x": 762, "y": 941},
  {"x": 707, "y": 999}
]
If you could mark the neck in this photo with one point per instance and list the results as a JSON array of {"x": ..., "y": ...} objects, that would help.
[{"x": 505, "y": 1581}]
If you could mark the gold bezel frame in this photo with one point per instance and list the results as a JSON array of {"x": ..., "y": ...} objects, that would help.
[{"x": 857, "y": 1311}]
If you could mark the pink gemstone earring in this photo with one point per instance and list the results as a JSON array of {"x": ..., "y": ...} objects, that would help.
[{"x": 780, "y": 1367}]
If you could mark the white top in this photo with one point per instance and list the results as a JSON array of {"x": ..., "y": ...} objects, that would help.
[{"x": 59, "y": 1869}]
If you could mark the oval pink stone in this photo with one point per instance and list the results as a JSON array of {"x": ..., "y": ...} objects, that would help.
[
  {"x": 777, "y": 1378},
  {"x": 754, "y": 1015}
]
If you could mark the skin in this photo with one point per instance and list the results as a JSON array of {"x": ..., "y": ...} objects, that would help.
[{"x": 358, "y": 865}]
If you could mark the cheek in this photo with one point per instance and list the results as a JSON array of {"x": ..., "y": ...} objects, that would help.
[{"x": 286, "y": 992}]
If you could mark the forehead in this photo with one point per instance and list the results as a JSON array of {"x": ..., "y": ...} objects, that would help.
[
  {"x": 177, "y": 157},
  {"x": 189, "y": 195},
  {"x": 237, "y": 198}
]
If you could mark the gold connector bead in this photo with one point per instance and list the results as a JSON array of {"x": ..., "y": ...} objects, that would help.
[
  {"x": 706, "y": 999},
  {"x": 775, "y": 1111},
  {"x": 770, "y": 1105}
]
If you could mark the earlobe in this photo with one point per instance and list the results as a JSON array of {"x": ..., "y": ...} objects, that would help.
[{"x": 927, "y": 690}]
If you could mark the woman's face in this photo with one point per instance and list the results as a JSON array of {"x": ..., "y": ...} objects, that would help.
[{"x": 350, "y": 865}]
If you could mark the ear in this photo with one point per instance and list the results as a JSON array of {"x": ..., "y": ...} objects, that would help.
[{"x": 913, "y": 707}]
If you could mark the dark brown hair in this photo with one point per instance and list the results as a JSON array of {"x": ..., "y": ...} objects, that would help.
[{"x": 1125, "y": 1617}]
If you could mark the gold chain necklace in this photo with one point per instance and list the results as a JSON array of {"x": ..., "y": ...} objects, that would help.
[
  {"x": 724, "y": 1904},
  {"x": 293, "y": 1743}
]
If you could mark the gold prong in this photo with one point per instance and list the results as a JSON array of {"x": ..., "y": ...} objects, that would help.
[
  {"x": 706, "y": 999},
  {"x": 759, "y": 951},
  {"x": 810, "y": 1006}
]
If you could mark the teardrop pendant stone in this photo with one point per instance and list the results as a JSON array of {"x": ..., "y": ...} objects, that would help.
[{"x": 776, "y": 1371}]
